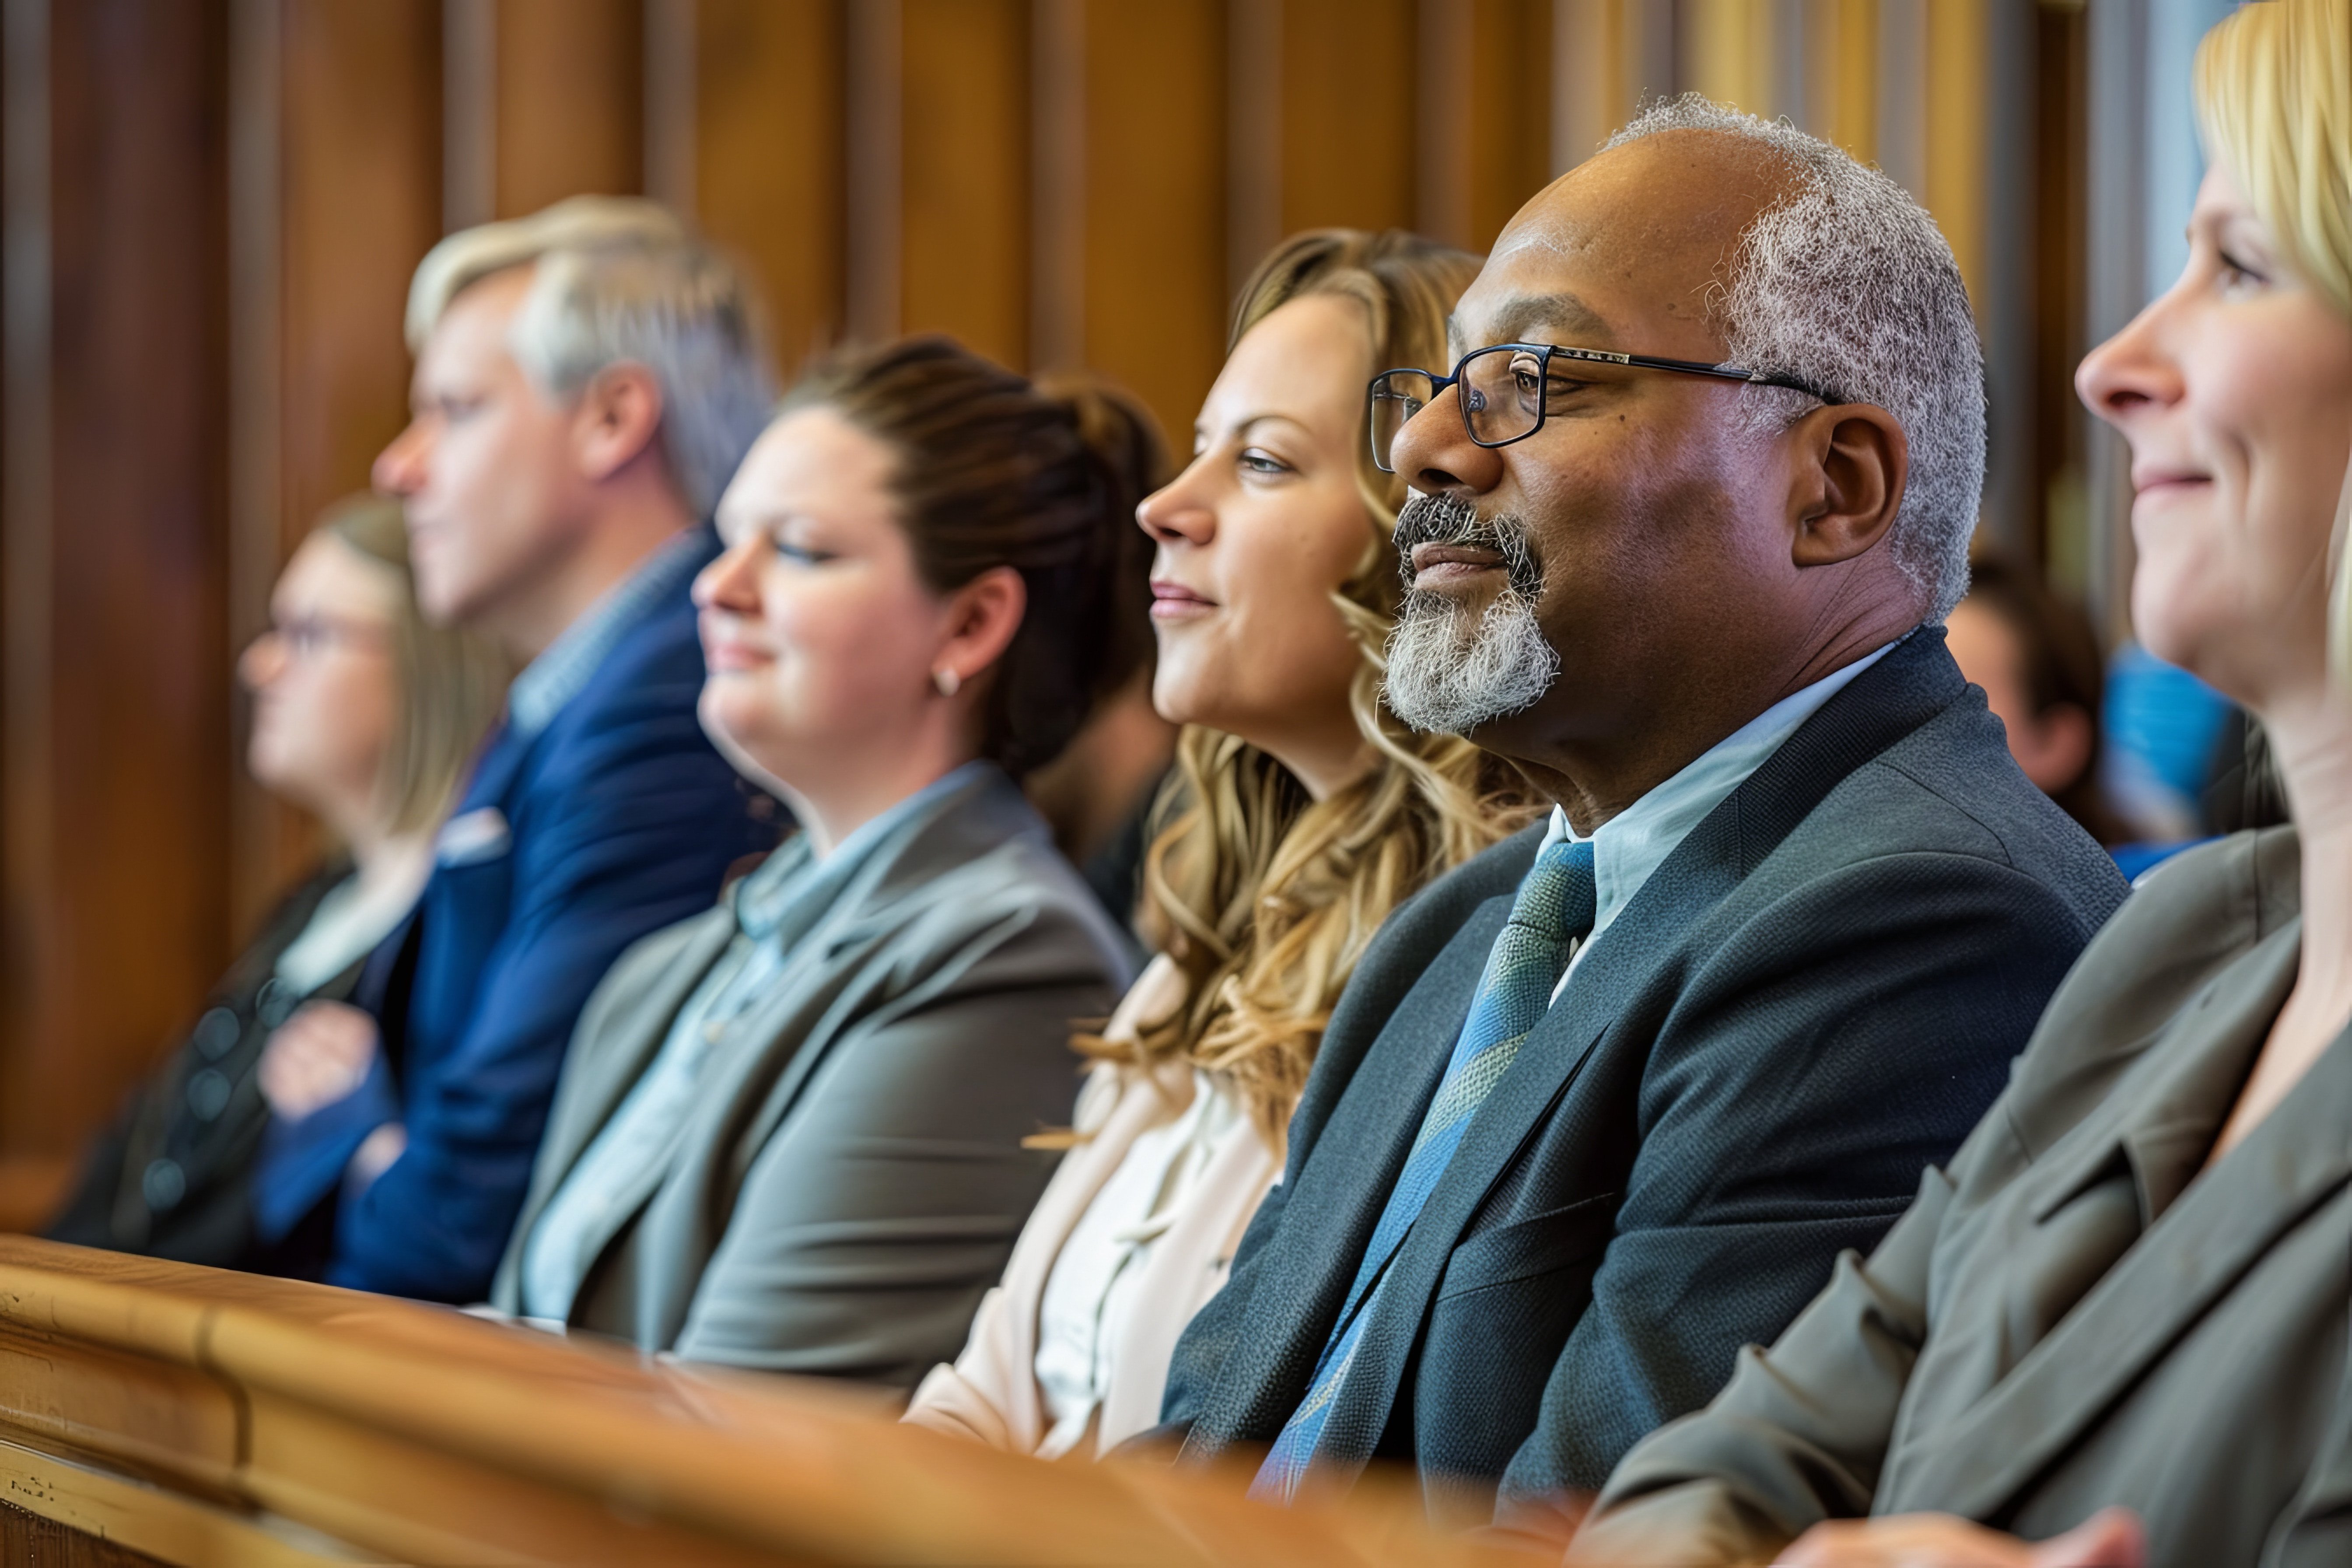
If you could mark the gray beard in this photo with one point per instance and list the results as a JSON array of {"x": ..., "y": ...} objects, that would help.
[{"x": 1451, "y": 670}]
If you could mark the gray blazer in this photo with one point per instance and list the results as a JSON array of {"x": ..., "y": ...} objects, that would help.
[
  {"x": 2071, "y": 1317},
  {"x": 852, "y": 1179}
]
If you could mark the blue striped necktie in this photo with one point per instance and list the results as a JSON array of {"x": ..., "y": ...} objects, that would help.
[{"x": 1553, "y": 909}]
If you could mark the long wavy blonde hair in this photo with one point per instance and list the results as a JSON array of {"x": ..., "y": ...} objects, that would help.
[{"x": 1263, "y": 897}]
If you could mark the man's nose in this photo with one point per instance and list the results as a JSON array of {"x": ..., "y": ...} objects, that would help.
[
  {"x": 1434, "y": 454},
  {"x": 399, "y": 468}
]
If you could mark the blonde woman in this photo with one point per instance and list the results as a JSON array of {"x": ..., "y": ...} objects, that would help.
[
  {"x": 2113, "y": 1333},
  {"x": 1302, "y": 815}
]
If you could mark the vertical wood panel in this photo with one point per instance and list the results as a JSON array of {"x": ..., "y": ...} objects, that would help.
[
  {"x": 570, "y": 100},
  {"x": 1587, "y": 78},
  {"x": 1843, "y": 74},
  {"x": 117, "y": 691},
  {"x": 358, "y": 179},
  {"x": 769, "y": 156},
  {"x": 1156, "y": 301},
  {"x": 1958, "y": 112},
  {"x": 1348, "y": 98},
  {"x": 964, "y": 208},
  {"x": 1486, "y": 115}
]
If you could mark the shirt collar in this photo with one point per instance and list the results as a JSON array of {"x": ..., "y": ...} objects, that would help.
[
  {"x": 1631, "y": 845},
  {"x": 567, "y": 663},
  {"x": 793, "y": 878}
]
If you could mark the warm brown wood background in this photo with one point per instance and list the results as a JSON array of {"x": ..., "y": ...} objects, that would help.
[{"x": 212, "y": 208}]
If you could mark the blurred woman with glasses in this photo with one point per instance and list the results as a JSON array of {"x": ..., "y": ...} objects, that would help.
[
  {"x": 1302, "y": 813},
  {"x": 366, "y": 716}
]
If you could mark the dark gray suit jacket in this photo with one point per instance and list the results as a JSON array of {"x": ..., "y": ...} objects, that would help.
[
  {"x": 1816, "y": 995},
  {"x": 852, "y": 1178},
  {"x": 2079, "y": 1312}
]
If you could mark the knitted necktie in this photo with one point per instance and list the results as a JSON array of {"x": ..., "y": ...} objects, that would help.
[{"x": 1553, "y": 909}]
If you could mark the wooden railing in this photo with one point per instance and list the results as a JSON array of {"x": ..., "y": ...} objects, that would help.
[{"x": 203, "y": 1418}]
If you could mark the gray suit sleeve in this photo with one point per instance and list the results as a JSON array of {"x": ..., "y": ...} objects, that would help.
[
  {"x": 885, "y": 1203},
  {"x": 1800, "y": 1434}
]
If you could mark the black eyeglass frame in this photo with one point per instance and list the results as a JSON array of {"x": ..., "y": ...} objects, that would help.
[{"x": 1546, "y": 353}]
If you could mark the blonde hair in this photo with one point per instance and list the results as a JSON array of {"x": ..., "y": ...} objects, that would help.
[
  {"x": 1264, "y": 898},
  {"x": 2274, "y": 101},
  {"x": 452, "y": 684},
  {"x": 619, "y": 278}
]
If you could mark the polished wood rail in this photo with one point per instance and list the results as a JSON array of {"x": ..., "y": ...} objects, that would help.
[{"x": 155, "y": 1411}]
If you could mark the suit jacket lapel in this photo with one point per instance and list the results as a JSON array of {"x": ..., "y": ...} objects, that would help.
[
  {"x": 2200, "y": 1247},
  {"x": 1905, "y": 689}
]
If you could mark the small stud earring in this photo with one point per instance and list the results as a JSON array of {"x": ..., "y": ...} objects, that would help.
[{"x": 947, "y": 680}]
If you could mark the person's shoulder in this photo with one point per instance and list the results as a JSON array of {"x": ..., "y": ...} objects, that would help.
[
  {"x": 2199, "y": 916},
  {"x": 987, "y": 863},
  {"x": 1948, "y": 793}
]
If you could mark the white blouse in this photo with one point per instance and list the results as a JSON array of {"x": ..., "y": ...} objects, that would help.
[{"x": 1090, "y": 1291}]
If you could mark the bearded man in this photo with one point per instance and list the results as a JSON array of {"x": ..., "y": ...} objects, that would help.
[{"x": 1606, "y": 1104}]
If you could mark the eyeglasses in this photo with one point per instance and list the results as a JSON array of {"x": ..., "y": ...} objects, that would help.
[
  {"x": 307, "y": 636},
  {"x": 1506, "y": 388}
]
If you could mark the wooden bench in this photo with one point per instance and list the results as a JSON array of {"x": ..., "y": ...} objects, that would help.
[{"x": 154, "y": 1412}]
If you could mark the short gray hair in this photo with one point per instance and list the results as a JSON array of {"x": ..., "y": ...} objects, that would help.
[
  {"x": 1848, "y": 285},
  {"x": 619, "y": 278}
]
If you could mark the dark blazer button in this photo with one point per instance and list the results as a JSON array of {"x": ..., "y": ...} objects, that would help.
[
  {"x": 208, "y": 1094},
  {"x": 216, "y": 1034},
  {"x": 164, "y": 1184}
]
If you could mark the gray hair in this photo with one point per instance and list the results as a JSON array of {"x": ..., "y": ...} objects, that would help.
[
  {"x": 619, "y": 278},
  {"x": 1848, "y": 284}
]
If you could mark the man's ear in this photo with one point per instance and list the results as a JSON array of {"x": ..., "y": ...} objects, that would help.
[
  {"x": 619, "y": 413},
  {"x": 1851, "y": 464},
  {"x": 983, "y": 616}
]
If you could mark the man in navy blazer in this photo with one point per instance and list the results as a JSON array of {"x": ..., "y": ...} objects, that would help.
[
  {"x": 1606, "y": 1103},
  {"x": 586, "y": 380}
]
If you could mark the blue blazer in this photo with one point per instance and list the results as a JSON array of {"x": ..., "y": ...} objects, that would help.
[
  {"x": 620, "y": 819},
  {"x": 1817, "y": 994}
]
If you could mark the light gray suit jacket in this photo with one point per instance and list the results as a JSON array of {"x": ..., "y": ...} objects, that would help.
[
  {"x": 2073, "y": 1316},
  {"x": 851, "y": 1179}
]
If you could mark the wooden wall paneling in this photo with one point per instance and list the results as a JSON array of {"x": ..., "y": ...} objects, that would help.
[
  {"x": 1958, "y": 105},
  {"x": 1728, "y": 52},
  {"x": 336, "y": 192},
  {"x": 1486, "y": 115},
  {"x": 770, "y": 157},
  {"x": 1589, "y": 88},
  {"x": 1842, "y": 74},
  {"x": 570, "y": 100},
  {"x": 2060, "y": 271},
  {"x": 1349, "y": 97},
  {"x": 115, "y": 546},
  {"x": 1254, "y": 164},
  {"x": 964, "y": 213},
  {"x": 1152, "y": 244}
]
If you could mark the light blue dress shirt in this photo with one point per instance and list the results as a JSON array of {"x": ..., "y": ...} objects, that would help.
[
  {"x": 1630, "y": 846},
  {"x": 775, "y": 907},
  {"x": 564, "y": 667}
]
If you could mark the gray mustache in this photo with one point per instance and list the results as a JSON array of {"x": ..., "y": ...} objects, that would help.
[{"x": 1450, "y": 520}]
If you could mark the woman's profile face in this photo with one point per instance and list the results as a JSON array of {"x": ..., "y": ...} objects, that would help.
[
  {"x": 1260, "y": 530},
  {"x": 325, "y": 682},
  {"x": 816, "y": 629},
  {"x": 2235, "y": 392}
]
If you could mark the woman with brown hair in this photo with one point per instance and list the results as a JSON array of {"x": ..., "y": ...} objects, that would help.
[
  {"x": 1302, "y": 814},
  {"x": 788, "y": 1132},
  {"x": 365, "y": 716}
]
